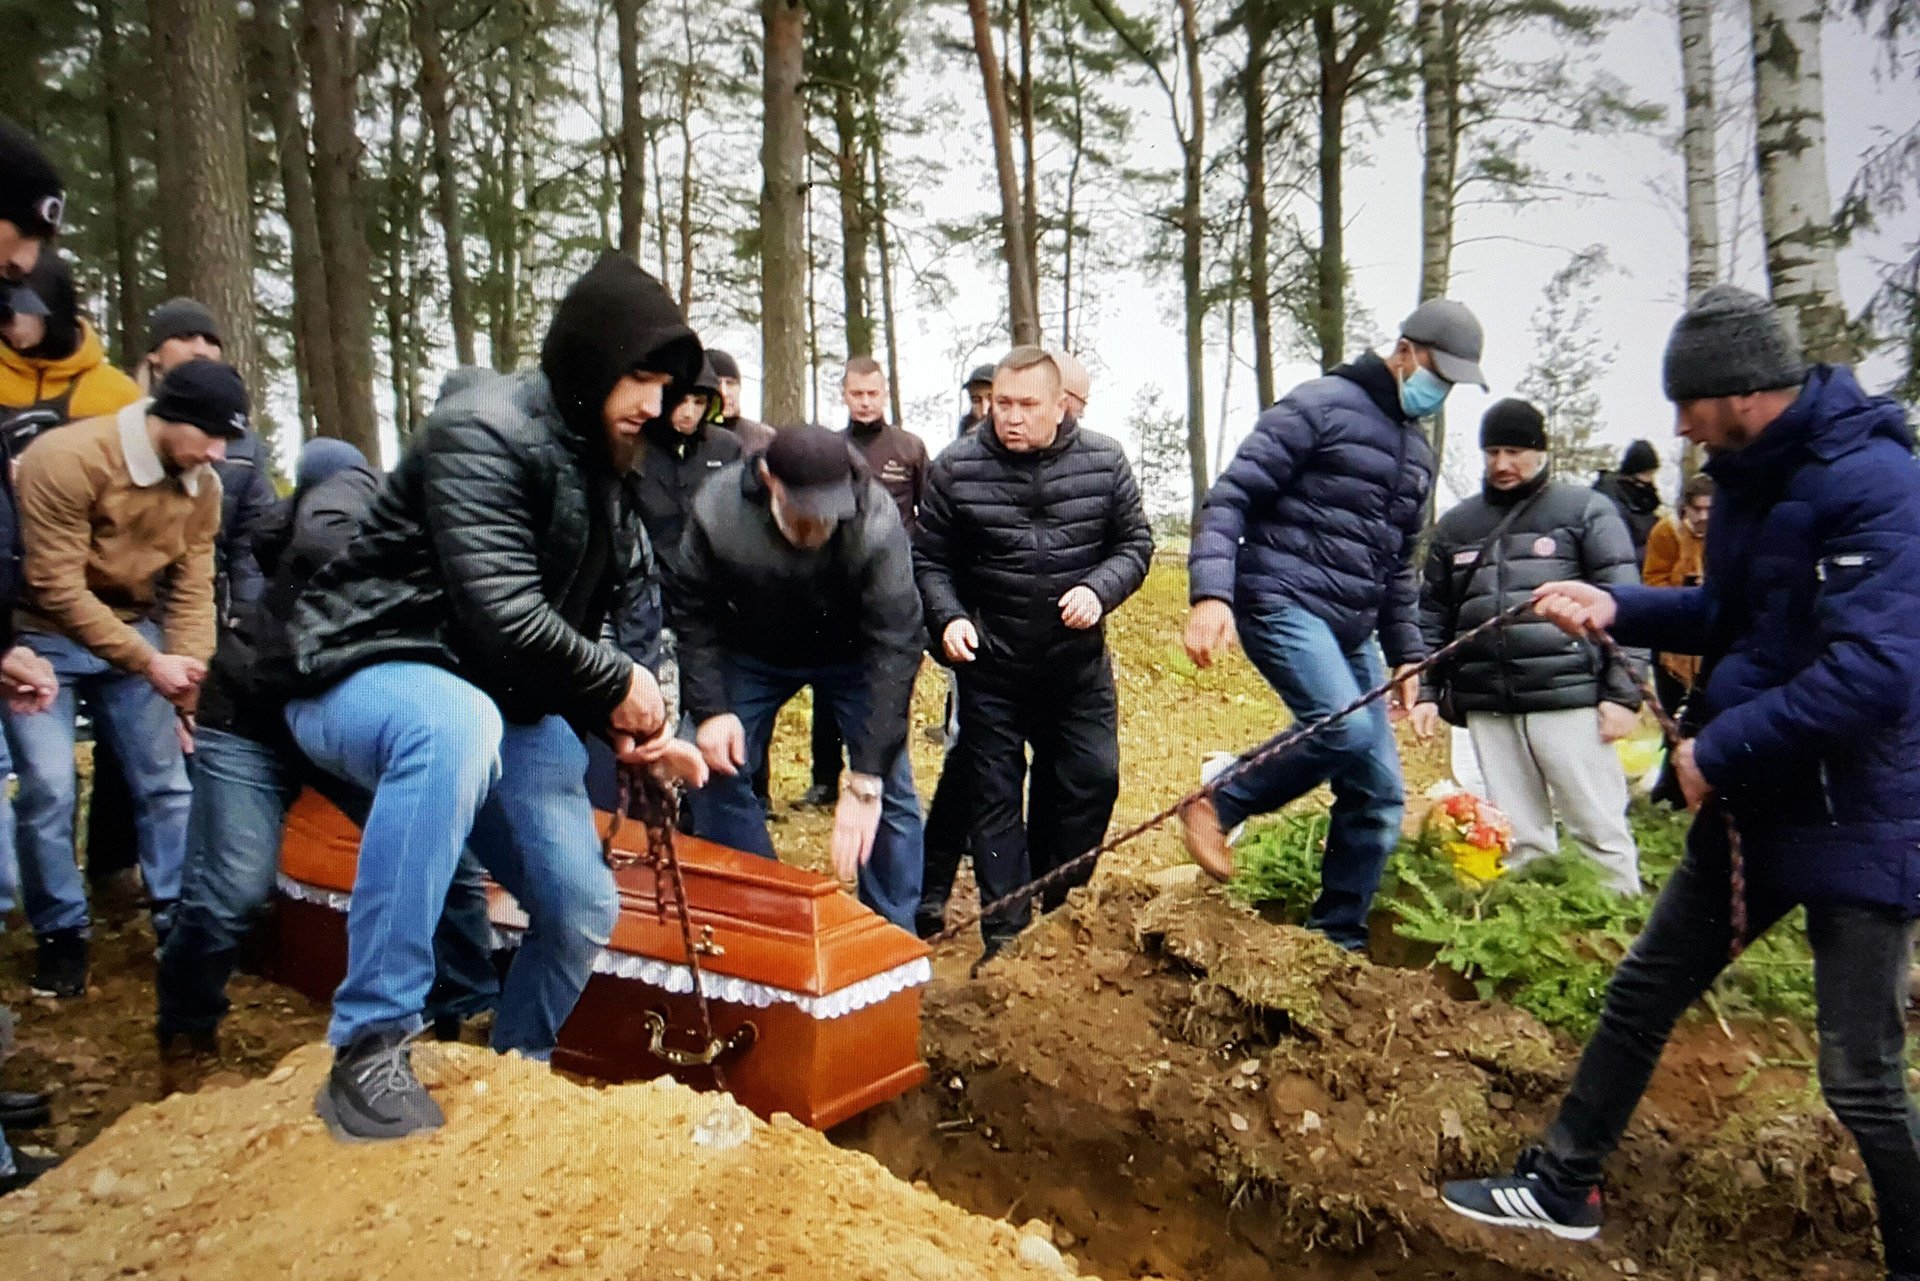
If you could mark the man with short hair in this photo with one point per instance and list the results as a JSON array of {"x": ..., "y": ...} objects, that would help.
[
  {"x": 1075, "y": 380},
  {"x": 118, "y": 516},
  {"x": 754, "y": 435},
  {"x": 32, "y": 202},
  {"x": 1305, "y": 545},
  {"x": 1017, "y": 595},
  {"x": 1543, "y": 714},
  {"x": 795, "y": 571},
  {"x": 1632, "y": 490},
  {"x": 1808, "y": 731},
  {"x": 979, "y": 392},
  {"x": 443, "y": 661}
]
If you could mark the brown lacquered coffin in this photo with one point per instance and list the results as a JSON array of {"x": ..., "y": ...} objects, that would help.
[{"x": 816, "y": 997}]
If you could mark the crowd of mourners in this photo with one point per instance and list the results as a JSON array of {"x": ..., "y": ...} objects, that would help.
[{"x": 600, "y": 564}]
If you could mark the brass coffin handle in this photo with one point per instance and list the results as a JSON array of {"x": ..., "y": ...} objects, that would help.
[{"x": 735, "y": 1042}]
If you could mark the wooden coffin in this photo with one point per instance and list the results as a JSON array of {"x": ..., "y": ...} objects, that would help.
[{"x": 818, "y": 998}]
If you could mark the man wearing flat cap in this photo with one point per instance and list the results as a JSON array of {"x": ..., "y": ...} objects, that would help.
[
  {"x": 1304, "y": 549},
  {"x": 118, "y": 516},
  {"x": 1809, "y": 727},
  {"x": 795, "y": 570}
]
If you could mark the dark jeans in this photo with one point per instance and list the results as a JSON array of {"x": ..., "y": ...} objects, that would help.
[
  {"x": 947, "y": 819},
  {"x": 111, "y": 835},
  {"x": 1070, "y": 720},
  {"x": 828, "y": 751},
  {"x": 1861, "y": 953}
]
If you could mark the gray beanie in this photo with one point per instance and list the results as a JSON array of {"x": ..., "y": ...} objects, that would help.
[
  {"x": 181, "y": 318},
  {"x": 1730, "y": 343}
]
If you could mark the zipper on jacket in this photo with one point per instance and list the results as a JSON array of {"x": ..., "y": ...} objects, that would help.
[{"x": 1826, "y": 792}]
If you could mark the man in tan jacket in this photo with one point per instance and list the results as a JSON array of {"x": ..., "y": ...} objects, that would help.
[{"x": 118, "y": 516}]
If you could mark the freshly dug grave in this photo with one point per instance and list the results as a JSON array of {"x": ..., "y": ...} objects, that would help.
[
  {"x": 1186, "y": 1089},
  {"x": 532, "y": 1175}
]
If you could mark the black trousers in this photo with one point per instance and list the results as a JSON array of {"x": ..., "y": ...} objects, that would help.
[
  {"x": 1020, "y": 825},
  {"x": 828, "y": 751},
  {"x": 1861, "y": 953},
  {"x": 111, "y": 839}
]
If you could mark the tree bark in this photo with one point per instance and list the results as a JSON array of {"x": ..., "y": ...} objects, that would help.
[
  {"x": 633, "y": 129},
  {"x": 328, "y": 41},
  {"x": 1440, "y": 91},
  {"x": 198, "y": 51},
  {"x": 129, "y": 303},
  {"x": 1193, "y": 247},
  {"x": 1029, "y": 177},
  {"x": 281, "y": 82},
  {"x": 850, "y": 180},
  {"x": 436, "y": 102},
  {"x": 1698, "y": 146},
  {"x": 1330, "y": 266},
  {"x": 1796, "y": 208},
  {"x": 1253, "y": 96},
  {"x": 883, "y": 242},
  {"x": 1022, "y": 276},
  {"x": 783, "y": 257}
]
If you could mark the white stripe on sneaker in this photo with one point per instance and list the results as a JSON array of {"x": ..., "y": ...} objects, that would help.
[{"x": 1526, "y": 1198}]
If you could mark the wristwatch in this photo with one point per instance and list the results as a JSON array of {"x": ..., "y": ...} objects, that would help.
[{"x": 864, "y": 787}]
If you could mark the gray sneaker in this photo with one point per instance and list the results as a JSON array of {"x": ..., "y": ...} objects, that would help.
[{"x": 372, "y": 1093}]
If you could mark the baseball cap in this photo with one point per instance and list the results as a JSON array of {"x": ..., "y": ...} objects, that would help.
[
  {"x": 204, "y": 394},
  {"x": 980, "y": 374},
  {"x": 815, "y": 467},
  {"x": 1452, "y": 333}
]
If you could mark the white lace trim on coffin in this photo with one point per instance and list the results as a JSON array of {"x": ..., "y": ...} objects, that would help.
[{"x": 678, "y": 979}]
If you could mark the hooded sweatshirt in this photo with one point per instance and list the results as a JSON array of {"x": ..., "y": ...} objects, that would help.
[{"x": 65, "y": 377}]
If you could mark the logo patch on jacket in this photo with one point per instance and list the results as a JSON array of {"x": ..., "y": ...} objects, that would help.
[{"x": 1543, "y": 546}]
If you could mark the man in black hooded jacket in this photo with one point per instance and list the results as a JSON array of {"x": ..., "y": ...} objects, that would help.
[
  {"x": 1031, "y": 533},
  {"x": 444, "y": 660}
]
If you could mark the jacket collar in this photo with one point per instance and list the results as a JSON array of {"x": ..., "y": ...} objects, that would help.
[
  {"x": 1831, "y": 417},
  {"x": 1370, "y": 374},
  {"x": 144, "y": 467},
  {"x": 1069, "y": 430}
]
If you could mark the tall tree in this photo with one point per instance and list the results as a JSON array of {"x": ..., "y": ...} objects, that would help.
[
  {"x": 129, "y": 299},
  {"x": 1023, "y": 276},
  {"x": 1795, "y": 204},
  {"x": 1698, "y": 145},
  {"x": 1439, "y": 31},
  {"x": 1260, "y": 19},
  {"x": 633, "y": 128},
  {"x": 435, "y": 87},
  {"x": 1348, "y": 55},
  {"x": 197, "y": 49},
  {"x": 783, "y": 253}
]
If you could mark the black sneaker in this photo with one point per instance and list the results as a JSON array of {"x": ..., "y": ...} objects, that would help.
[
  {"x": 60, "y": 964},
  {"x": 1523, "y": 1200},
  {"x": 26, "y": 1168},
  {"x": 23, "y": 1110},
  {"x": 820, "y": 796},
  {"x": 373, "y": 1094},
  {"x": 178, "y": 1047}
]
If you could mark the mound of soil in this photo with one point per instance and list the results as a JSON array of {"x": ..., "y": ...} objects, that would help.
[
  {"x": 531, "y": 1175},
  {"x": 1190, "y": 1090}
]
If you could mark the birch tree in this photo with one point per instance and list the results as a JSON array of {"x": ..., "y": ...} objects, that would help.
[{"x": 1698, "y": 139}]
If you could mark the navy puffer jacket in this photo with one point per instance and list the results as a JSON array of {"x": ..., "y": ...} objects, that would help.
[
  {"x": 1322, "y": 508},
  {"x": 1812, "y": 595}
]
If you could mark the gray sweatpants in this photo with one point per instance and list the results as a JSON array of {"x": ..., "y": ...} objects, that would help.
[{"x": 1542, "y": 764}]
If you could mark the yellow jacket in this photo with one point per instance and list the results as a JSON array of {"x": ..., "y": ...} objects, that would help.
[
  {"x": 82, "y": 385},
  {"x": 1675, "y": 558}
]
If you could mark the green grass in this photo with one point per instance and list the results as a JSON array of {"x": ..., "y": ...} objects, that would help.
[{"x": 1545, "y": 938}]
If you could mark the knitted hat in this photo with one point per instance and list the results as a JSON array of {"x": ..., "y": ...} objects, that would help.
[
  {"x": 181, "y": 318},
  {"x": 1640, "y": 457},
  {"x": 32, "y": 197},
  {"x": 204, "y": 394},
  {"x": 1730, "y": 343},
  {"x": 982, "y": 376},
  {"x": 724, "y": 365},
  {"x": 1512, "y": 424}
]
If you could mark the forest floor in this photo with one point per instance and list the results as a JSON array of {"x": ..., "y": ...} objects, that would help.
[{"x": 1173, "y": 1085}]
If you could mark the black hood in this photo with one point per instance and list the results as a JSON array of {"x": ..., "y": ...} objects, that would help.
[
  {"x": 615, "y": 320},
  {"x": 52, "y": 279}
]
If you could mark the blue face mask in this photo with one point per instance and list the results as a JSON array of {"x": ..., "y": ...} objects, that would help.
[{"x": 1423, "y": 392}]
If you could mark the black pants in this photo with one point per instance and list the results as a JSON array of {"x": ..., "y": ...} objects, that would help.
[
  {"x": 1673, "y": 693},
  {"x": 946, "y": 842},
  {"x": 1861, "y": 953},
  {"x": 1069, "y": 719},
  {"x": 111, "y": 840},
  {"x": 827, "y": 748}
]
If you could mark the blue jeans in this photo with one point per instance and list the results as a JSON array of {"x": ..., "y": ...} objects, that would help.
[
  {"x": 241, "y": 792},
  {"x": 140, "y": 724},
  {"x": 9, "y": 863},
  {"x": 444, "y": 771},
  {"x": 1316, "y": 677},
  {"x": 727, "y": 811}
]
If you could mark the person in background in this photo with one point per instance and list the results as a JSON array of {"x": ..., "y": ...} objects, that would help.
[
  {"x": 898, "y": 460},
  {"x": 1075, "y": 379},
  {"x": 1632, "y": 490},
  {"x": 978, "y": 390},
  {"x": 1543, "y": 714},
  {"x": 1305, "y": 547},
  {"x": 795, "y": 571},
  {"x": 53, "y": 368},
  {"x": 118, "y": 516},
  {"x": 685, "y": 448},
  {"x": 1804, "y": 746},
  {"x": 754, "y": 435},
  {"x": 1017, "y": 595},
  {"x": 1676, "y": 551},
  {"x": 33, "y": 200}
]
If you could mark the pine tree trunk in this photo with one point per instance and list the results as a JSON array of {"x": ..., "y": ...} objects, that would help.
[
  {"x": 1253, "y": 97},
  {"x": 1193, "y": 249},
  {"x": 1022, "y": 302},
  {"x": 783, "y": 258},
  {"x": 850, "y": 182},
  {"x": 328, "y": 42},
  {"x": 176, "y": 237},
  {"x": 883, "y": 242},
  {"x": 198, "y": 52},
  {"x": 1330, "y": 267},
  {"x": 401, "y": 358},
  {"x": 1070, "y": 231},
  {"x": 1029, "y": 178},
  {"x": 1439, "y": 64},
  {"x": 436, "y": 102},
  {"x": 1796, "y": 209},
  {"x": 129, "y": 302},
  {"x": 633, "y": 129}
]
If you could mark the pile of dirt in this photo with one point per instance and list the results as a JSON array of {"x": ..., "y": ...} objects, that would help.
[
  {"x": 531, "y": 1175},
  {"x": 1191, "y": 1090}
]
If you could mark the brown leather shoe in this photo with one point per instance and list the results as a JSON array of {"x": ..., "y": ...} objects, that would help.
[{"x": 1206, "y": 842}]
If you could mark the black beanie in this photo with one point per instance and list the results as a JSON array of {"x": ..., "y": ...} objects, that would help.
[
  {"x": 1640, "y": 457},
  {"x": 32, "y": 196},
  {"x": 614, "y": 321},
  {"x": 181, "y": 318},
  {"x": 1512, "y": 424},
  {"x": 204, "y": 394},
  {"x": 724, "y": 365}
]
